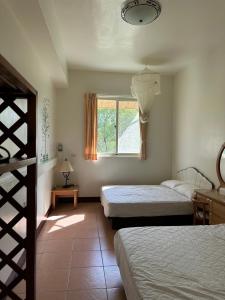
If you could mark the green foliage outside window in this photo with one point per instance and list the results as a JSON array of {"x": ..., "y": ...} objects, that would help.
[
  {"x": 126, "y": 116},
  {"x": 107, "y": 126},
  {"x": 106, "y": 130}
]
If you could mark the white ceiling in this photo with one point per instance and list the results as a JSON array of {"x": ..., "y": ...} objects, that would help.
[
  {"x": 95, "y": 37},
  {"x": 90, "y": 34}
]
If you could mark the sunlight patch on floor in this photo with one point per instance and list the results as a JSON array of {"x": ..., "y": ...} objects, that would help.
[
  {"x": 54, "y": 218},
  {"x": 65, "y": 221}
]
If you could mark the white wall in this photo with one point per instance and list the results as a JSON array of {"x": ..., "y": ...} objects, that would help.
[
  {"x": 199, "y": 114},
  {"x": 70, "y": 131},
  {"x": 16, "y": 48}
]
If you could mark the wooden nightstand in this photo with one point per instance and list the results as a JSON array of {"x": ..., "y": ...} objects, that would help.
[
  {"x": 71, "y": 191},
  {"x": 209, "y": 207}
]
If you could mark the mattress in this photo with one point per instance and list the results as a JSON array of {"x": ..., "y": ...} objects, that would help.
[
  {"x": 143, "y": 200},
  {"x": 171, "y": 263}
]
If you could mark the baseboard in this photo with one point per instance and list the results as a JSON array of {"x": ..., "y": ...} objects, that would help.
[
  {"x": 88, "y": 199},
  {"x": 42, "y": 223}
]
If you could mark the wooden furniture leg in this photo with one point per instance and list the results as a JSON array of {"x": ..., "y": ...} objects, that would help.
[{"x": 53, "y": 200}]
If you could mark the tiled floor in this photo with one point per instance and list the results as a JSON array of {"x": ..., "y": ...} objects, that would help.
[{"x": 75, "y": 257}]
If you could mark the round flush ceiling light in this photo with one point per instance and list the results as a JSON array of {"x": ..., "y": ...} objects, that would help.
[{"x": 140, "y": 12}]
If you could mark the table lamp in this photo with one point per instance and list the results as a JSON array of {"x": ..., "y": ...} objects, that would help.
[{"x": 66, "y": 168}]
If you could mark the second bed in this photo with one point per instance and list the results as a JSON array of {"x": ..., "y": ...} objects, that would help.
[
  {"x": 126, "y": 204},
  {"x": 173, "y": 263}
]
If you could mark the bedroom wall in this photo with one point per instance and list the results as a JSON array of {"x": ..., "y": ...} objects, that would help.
[
  {"x": 16, "y": 48},
  {"x": 199, "y": 113},
  {"x": 70, "y": 131}
]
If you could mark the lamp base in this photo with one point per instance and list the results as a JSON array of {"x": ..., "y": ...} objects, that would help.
[{"x": 68, "y": 185}]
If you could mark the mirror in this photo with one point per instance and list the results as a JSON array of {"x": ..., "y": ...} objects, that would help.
[{"x": 220, "y": 166}]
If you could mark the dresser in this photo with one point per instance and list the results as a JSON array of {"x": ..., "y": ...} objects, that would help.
[{"x": 208, "y": 207}]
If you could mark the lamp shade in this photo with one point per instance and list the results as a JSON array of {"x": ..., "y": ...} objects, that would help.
[{"x": 65, "y": 167}]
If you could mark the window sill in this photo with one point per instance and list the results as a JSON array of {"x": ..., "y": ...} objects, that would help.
[{"x": 118, "y": 155}]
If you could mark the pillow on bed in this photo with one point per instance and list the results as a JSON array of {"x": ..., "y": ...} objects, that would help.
[
  {"x": 171, "y": 183},
  {"x": 186, "y": 189}
]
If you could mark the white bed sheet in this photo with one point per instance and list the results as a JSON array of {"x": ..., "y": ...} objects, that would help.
[
  {"x": 143, "y": 200},
  {"x": 171, "y": 263}
]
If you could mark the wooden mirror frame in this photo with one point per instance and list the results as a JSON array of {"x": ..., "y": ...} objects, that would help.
[{"x": 218, "y": 161}]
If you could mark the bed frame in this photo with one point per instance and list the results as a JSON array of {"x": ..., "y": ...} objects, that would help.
[
  {"x": 190, "y": 175},
  {"x": 194, "y": 176},
  {"x": 118, "y": 223}
]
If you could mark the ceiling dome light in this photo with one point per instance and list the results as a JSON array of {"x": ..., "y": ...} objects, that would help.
[{"x": 140, "y": 12}]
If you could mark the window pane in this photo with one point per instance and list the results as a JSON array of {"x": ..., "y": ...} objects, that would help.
[
  {"x": 106, "y": 126},
  {"x": 129, "y": 129}
]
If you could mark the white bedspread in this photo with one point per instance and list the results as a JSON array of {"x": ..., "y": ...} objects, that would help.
[
  {"x": 143, "y": 200},
  {"x": 171, "y": 263}
]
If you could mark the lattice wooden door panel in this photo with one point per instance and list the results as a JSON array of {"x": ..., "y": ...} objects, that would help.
[{"x": 17, "y": 215}]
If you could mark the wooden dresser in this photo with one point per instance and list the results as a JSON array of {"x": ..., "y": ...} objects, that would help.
[{"x": 209, "y": 207}]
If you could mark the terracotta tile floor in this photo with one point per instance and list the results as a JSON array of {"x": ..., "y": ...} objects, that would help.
[{"x": 75, "y": 256}]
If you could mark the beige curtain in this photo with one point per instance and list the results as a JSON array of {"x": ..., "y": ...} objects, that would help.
[
  {"x": 90, "y": 149},
  {"x": 144, "y": 131}
]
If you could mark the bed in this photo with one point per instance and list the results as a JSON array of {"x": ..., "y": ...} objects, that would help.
[
  {"x": 171, "y": 263},
  {"x": 166, "y": 204}
]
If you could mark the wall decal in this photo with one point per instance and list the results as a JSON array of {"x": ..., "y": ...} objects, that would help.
[{"x": 45, "y": 129}]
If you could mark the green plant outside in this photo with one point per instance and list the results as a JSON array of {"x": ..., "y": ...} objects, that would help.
[{"x": 107, "y": 127}]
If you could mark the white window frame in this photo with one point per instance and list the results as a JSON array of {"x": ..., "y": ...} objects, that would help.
[{"x": 117, "y": 98}]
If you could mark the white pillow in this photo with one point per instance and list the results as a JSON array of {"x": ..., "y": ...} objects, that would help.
[
  {"x": 186, "y": 189},
  {"x": 171, "y": 183}
]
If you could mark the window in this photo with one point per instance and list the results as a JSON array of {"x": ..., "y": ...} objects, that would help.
[{"x": 118, "y": 127}]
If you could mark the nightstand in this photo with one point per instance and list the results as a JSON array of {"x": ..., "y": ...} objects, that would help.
[
  {"x": 209, "y": 207},
  {"x": 71, "y": 191},
  {"x": 201, "y": 208}
]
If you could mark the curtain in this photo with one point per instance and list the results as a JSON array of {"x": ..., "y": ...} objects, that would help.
[
  {"x": 90, "y": 148},
  {"x": 143, "y": 131}
]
